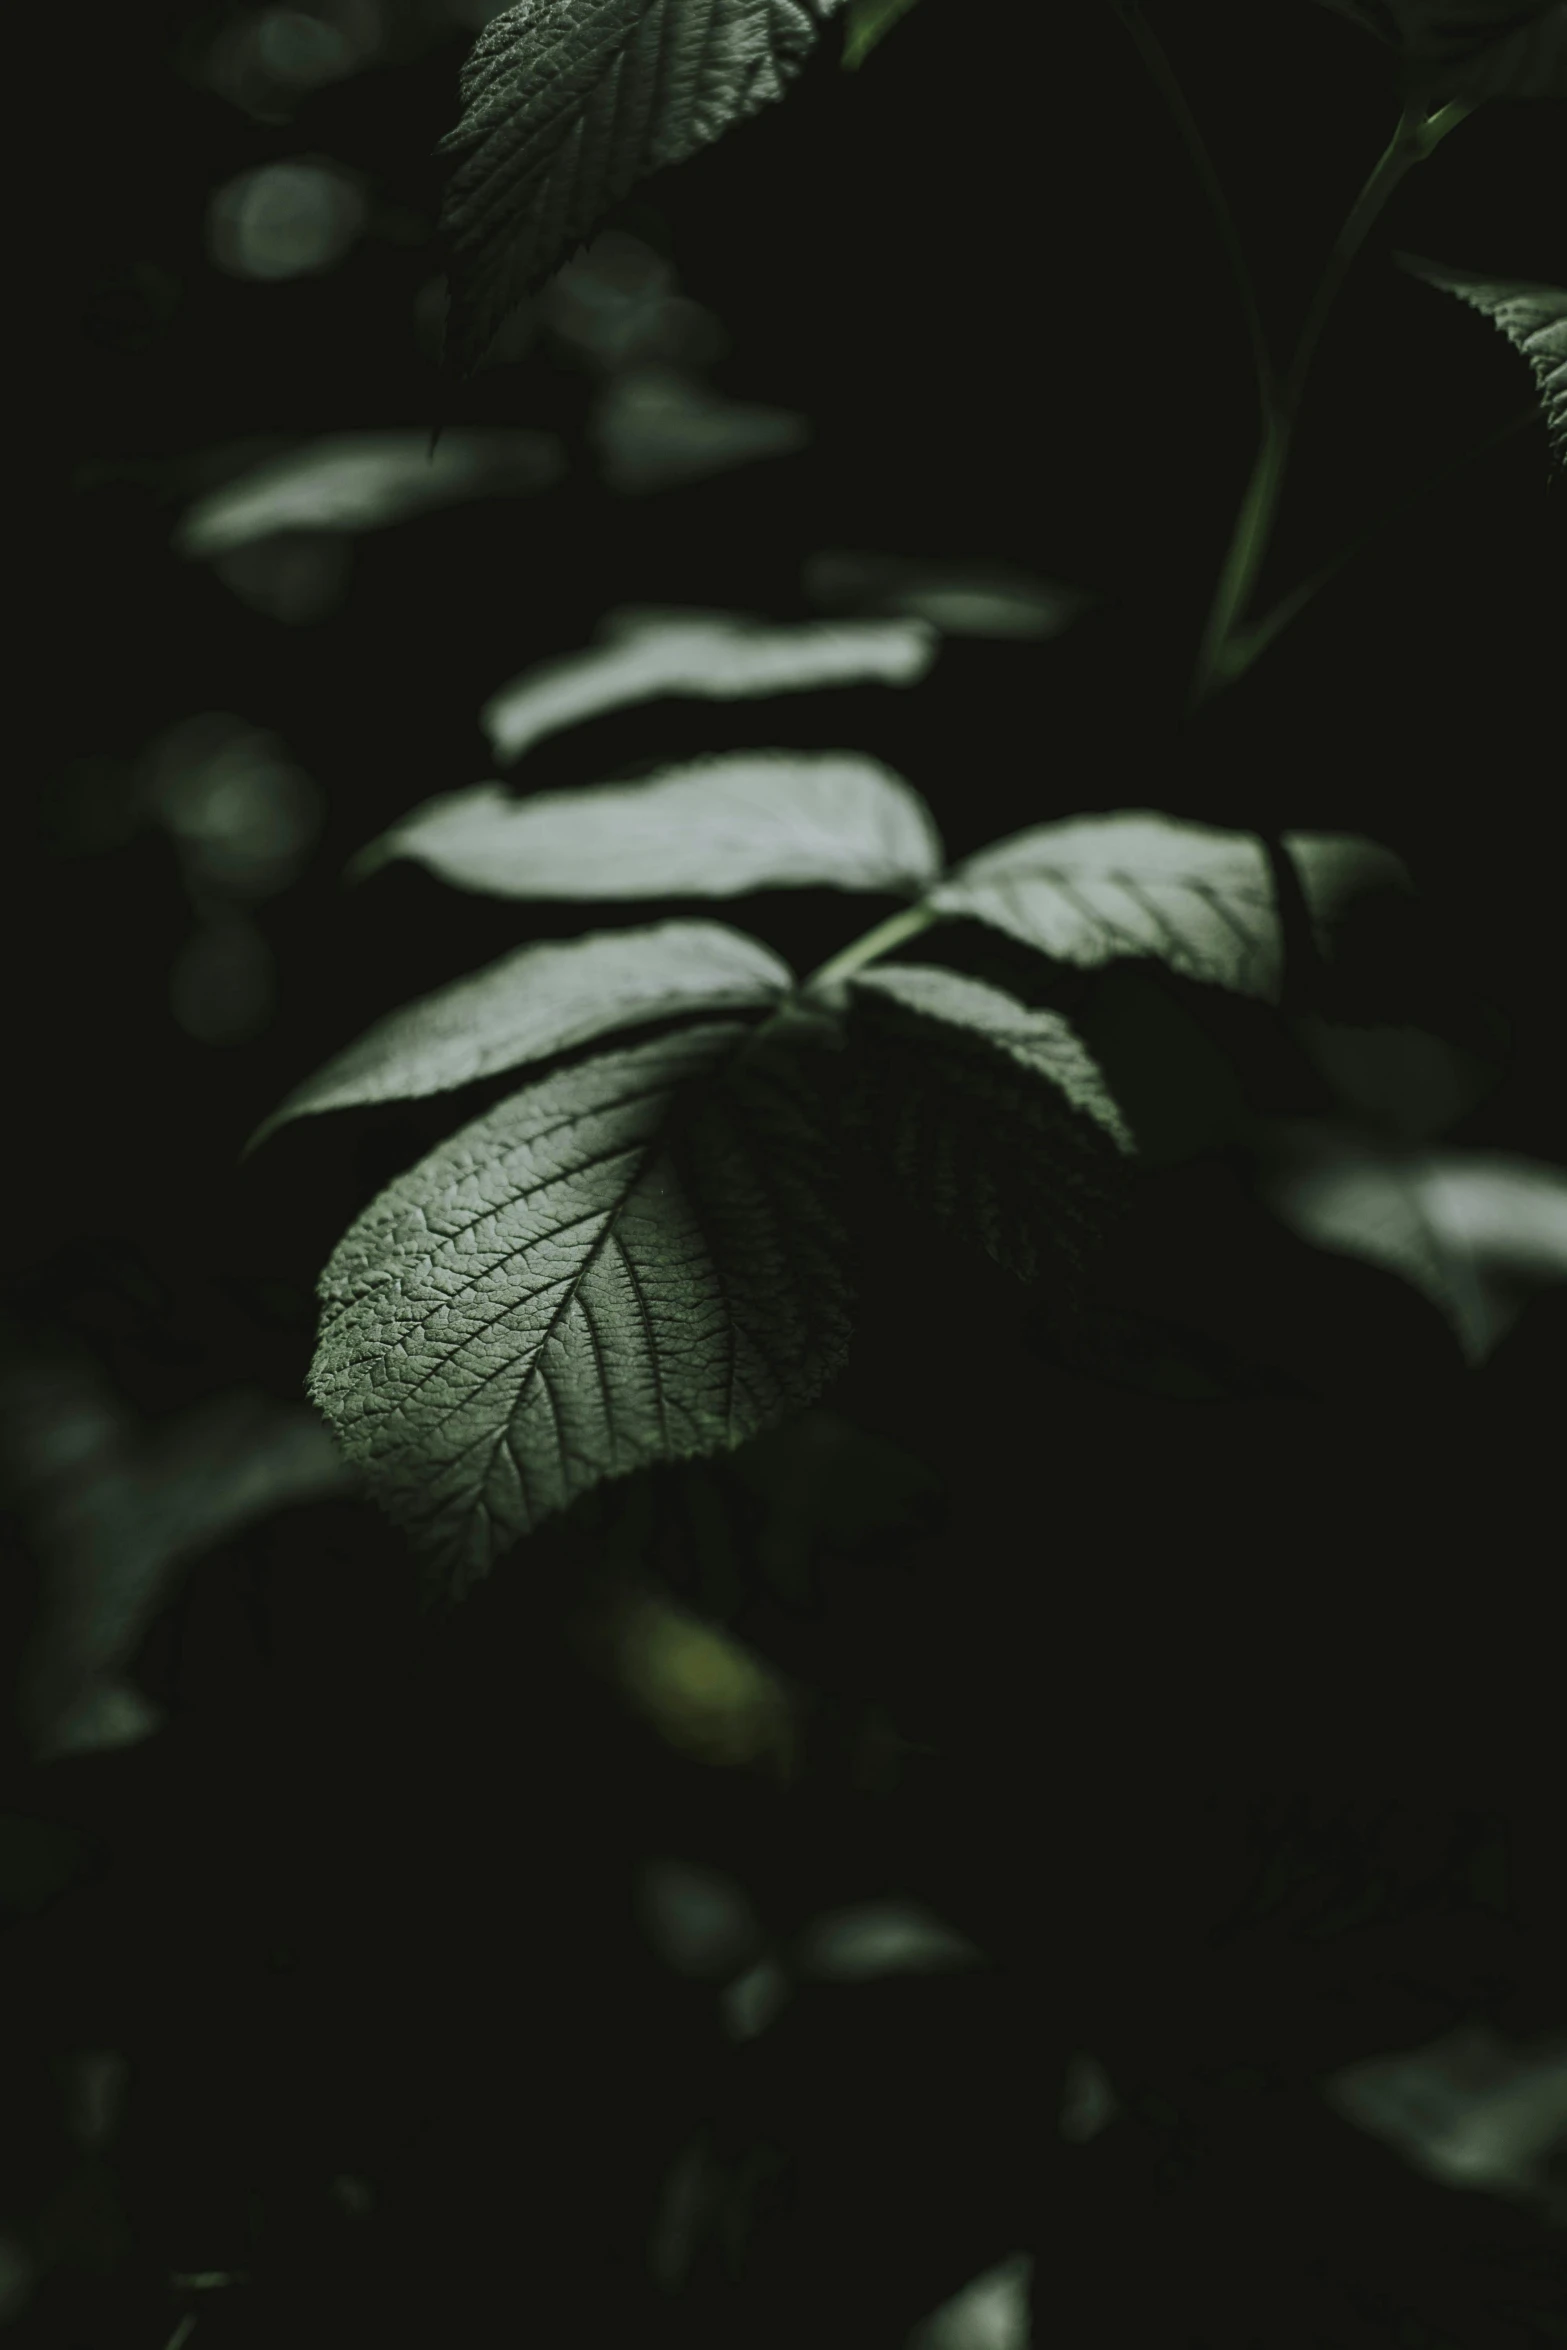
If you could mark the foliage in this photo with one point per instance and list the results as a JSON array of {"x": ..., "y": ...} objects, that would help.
[{"x": 859, "y": 1712}]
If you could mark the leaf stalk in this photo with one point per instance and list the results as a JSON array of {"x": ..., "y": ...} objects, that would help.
[{"x": 1223, "y": 655}]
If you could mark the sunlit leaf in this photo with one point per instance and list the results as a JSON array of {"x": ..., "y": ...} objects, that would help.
[
  {"x": 1473, "y": 1231},
  {"x": 715, "y": 656},
  {"x": 1534, "y": 320},
  {"x": 364, "y": 481},
  {"x": 985, "y": 1112},
  {"x": 567, "y": 104},
  {"x": 718, "y": 827},
  {"x": 1201, "y": 900},
  {"x": 632, "y": 1260},
  {"x": 539, "y": 1000}
]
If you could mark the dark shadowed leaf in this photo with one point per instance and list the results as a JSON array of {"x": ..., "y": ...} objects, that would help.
[
  {"x": 985, "y": 1112},
  {"x": 1534, "y": 320},
  {"x": 115, "y": 1513},
  {"x": 1470, "y": 49},
  {"x": 631, "y": 1261},
  {"x": 540, "y": 1000},
  {"x": 1474, "y": 1231},
  {"x": 1093, "y": 888},
  {"x": 567, "y": 104},
  {"x": 718, "y": 827},
  {"x": 716, "y": 656}
]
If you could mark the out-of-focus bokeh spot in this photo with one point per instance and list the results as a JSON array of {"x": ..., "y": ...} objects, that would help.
[
  {"x": 697, "y": 1919},
  {"x": 17, "y": 2275},
  {"x": 222, "y": 986},
  {"x": 990, "y": 2314},
  {"x": 618, "y": 303},
  {"x": 881, "y": 1938},
  {"x": 265, "y": 60},
  {"x": 365, "y": 481},
  {"x": 702, "y": 1692},
  {"x": 654, "y": 427},
  {"x": 1088, "y": 2102},
  {"x": 959, "y": 598},
  {"x": 285, "y": 219},
  {"x": 242, "y": 813},
  {"x": 1469, "y": 2111}
]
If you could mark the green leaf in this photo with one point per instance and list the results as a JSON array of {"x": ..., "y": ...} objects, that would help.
[
  {"x": 568, "y": 104},
  {"x": 715, "y": 656},
  {"x": 365, "y": 481},
  {"x": 1534, "y": 320},
  {"x": 1201, "y": 900},
  {"x": 632, "y": 1260},
  {"x": 985, "y": 1112},
  {"x": 870, "y": 21},
  {"x": 537, "y": 1001},
  {"x": 116, "y": 1513},
  {"x": 716, "y": 828},
  {"x": 1475, "y": 50},
  {"x": 1471, "y": 1230}
]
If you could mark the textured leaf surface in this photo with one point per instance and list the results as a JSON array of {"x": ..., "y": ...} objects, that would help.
[
  {"x": 1476, "y": 49},
  {"x": 1200, "y": 899},
  {"x": 364, "y": 481},
  {"x": 567, "y": 104},
  {"x": 541, "y": 1000},
  {"x": 1534, "y": 320},
  {"x": 1473, "y": 1231},
  {"x": 985, "y": 1112},
  {"x": 632, "y": 1260},
  {"x": 715, "y": 656},
  {"x": 717, "y": 827}
]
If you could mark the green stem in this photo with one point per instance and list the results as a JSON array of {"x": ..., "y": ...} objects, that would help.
[
  {"x": 1414, "y": 139},
  {"x": 907, "y": 923},
  {"x": 1159, "y": 66},
  {"x": 1245, "y": 647}
]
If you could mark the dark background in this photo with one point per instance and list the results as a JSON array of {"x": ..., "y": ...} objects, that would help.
[{"x": 983, "y": 270}]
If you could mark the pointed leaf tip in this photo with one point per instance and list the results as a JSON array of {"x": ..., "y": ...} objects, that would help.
[{"x": 565, "y": 108}]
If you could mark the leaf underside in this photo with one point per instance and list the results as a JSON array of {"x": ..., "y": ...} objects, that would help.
[
  {"x": 633, "y": 1260},
  {"x": 567, "y": 104},
  {"x": 986, "y": 1114},
  {"x": 1470, "y": 49}
]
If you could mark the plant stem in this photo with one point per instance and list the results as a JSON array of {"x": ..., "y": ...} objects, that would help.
[
  {"x": 907, "y": 923},
  {"x": 1415, "y": 138},
  {"x": 1159, "y": 66},
  {"x": 1248, "y": 643}
]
